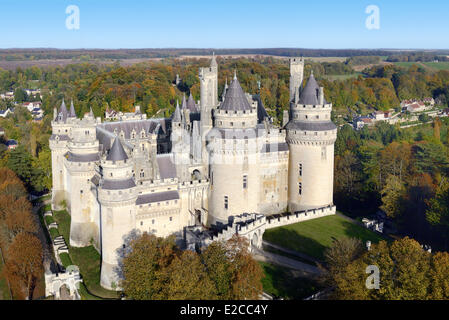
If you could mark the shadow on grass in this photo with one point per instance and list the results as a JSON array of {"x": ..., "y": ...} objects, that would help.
[
  {"x": 282, "y": 283},
  {"x": 354, "y": 231},
  {"x": 292, "y": 240}
]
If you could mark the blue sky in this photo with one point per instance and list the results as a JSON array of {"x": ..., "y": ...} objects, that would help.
[{"x": 224, "y": 24}]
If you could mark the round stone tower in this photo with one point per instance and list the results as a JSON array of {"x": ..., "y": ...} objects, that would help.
[
  {"x": 311, "y": 136},
  {"x": 117, "y": 194},
  {"x": 81, "y": 160},
  {"x": 233, "y": 155}
]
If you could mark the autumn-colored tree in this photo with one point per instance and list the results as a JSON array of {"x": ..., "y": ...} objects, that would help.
[
  {"x": 404, "y": 273},
  {"x": 218, "y": 267},
  {"x": 188, "y": 279},
  {"x": 342, "y": 252},
  {"x": 392, "y": 196},
  {"x": 144, "y": 267},
  {"x": 439, "y": 276},
  {"x": 24, "y": 263},
  {"x": 246, "y": 279}
]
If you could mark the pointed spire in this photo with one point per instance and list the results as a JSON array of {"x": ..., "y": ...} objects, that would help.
[
  {"x": 72, "y": 113},
  {"x": 184, "y": 102},
  {"x": 176, "y": 116},
  {"x": 191, "y": 105},
  {"x": 235, "y": 98},
  {"x": 91, "y": 113},
  {"x": 310, "y": 93},
  {"x": 235, "y": 74},
  {"x": 62, "y": 114},
  {"x": 117, "y": 152}
]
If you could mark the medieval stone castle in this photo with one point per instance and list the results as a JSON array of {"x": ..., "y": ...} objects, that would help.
[{"x": 213, "y": 169}]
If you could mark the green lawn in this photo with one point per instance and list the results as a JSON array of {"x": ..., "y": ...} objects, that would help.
[
  {"x": 282, "y": 282},
  {"x": 314, "y": 236},
  {"x": 87, "y": 259}
]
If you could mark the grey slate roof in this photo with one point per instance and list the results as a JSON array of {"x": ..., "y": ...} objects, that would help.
[
  {"x": 72, "y": 113},
  {"x": 62, "y": 114},
  {"x": 91, "y": 157},
  {"x": 157, "y": 197},
  {"x": 118, "y": 184},
  {"x": 235, "y": 98},
  {"x": 117, "y": 153},
  {"x": 191, "y": 105},
  {"x": 176, "y": 116},
  {"x": 148, "y": 125},
  {"x": 261, "y": 112},
  {"x": 309, "y": 95},
  {"x": 311, "y": 125},
  {"x": 166, "y": 165}
]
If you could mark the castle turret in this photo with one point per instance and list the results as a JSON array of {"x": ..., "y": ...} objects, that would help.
[
  {"x": 117, "y": 194},
  {"x": 296, "y": 76},
  {"x": 58, "y": 146},
  {"x": 233, "y": 152},
  {"x": 81, "y": 160},
  {"x": 311, "y": 136},
  {"x": 209, "y": 93}
]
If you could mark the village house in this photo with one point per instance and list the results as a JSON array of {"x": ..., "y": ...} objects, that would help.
[
  {"x": 11, "y": 144},
  {"x": 5, "y": 113}
]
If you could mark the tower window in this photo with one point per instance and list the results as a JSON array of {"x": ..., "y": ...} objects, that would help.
[
  {"x": 299, "y": 188},
  {"x": 245, "y": 182},
  {"x": 300, "y": 169},
  {"x": 226, "y": 205}
]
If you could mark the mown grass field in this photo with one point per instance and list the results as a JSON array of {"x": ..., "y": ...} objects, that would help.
[
  {"x": 313, "y": 237},
  {"x": 283, "y": 282}
]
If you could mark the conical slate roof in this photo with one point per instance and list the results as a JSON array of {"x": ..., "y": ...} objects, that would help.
[
  {"x": 72, "y": 113},
  {"x": 235, "y": 99},
  {"x": 184, "y": 102},
  {"x": 62, "y": 114},
  {"x": 191, "y": 105},
  {"x": 309, "y": 95},
  {"x": 117, "y": 153},
  {"x": 176, "y": 116}
]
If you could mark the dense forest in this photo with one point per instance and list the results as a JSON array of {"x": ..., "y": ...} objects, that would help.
[{"x": 35, "y": 54}]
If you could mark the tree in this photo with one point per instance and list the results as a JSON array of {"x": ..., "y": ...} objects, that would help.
[
  {"x": 437, "y": 213},
  {"x": 218, "y": 267},
  {"x": 24, "y": 263},
  {"x": 439, "y": 276},
  {"x": 342, "y": 252},
  {"x": 144, "y": 267},
  {"x": 392, "y": 196},
  {"x": 404, "y": 273},
  {"x": 20, "y": 95},
  {"x": 246, "y": 279},
  {"x": 188, "y": 279}
]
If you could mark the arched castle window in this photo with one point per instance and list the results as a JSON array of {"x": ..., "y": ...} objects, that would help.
[
  {"x": 300, "y": 169},
  {"x": 299, "y": 188}
]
